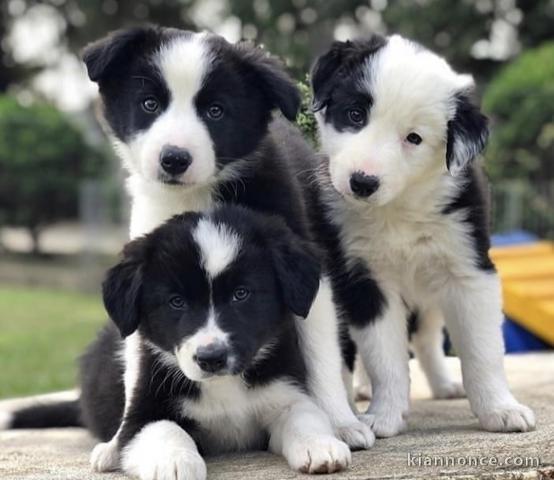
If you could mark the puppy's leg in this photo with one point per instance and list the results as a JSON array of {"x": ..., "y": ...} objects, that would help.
[
  {"x": 105, "y": 456},
  {"x": 321, "y": 348},
  {"x": 383, "y": 347},
  {"x": 361, "y": 382},
  {"x": 304, "y": 436},
  {"x": 163, "y": 451},
  {"x": 427, "y": 345},
  {"x": 472, "y": 308}
]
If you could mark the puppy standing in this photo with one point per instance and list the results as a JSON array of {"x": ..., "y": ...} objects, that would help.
[
  {"x": 190, "y": 114},
  {"x": 408, "y": 202}
]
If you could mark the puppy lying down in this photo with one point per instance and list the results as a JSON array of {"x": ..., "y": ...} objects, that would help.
[{"x": 211, "y": 299}]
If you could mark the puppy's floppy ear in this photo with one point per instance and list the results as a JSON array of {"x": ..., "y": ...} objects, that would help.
[
  {"x": 329, "y": 67},
  {"x": 122, "y": 287},
  {"x": 276, "y": 84},
  {"x": 467, "y": 134},
  {"x": 297, "y": 268},
  {"x": 101, "y": 56}
]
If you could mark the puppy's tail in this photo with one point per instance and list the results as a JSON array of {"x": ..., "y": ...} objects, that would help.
[{"x": 57, "y": 413}]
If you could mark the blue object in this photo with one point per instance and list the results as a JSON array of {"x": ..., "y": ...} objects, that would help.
[
  {"x": 519, "y": 340},
  {"x": 513, "y": 237}
]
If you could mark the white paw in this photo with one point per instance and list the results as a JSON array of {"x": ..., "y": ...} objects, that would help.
[
  {"x": 171, "y": 464},
  {"x": 163, "y": 451},
  {"x": 449, "y": 390},
  {"x": 512, "y": 417},
  {"x": 105, "y": 457},
  {"x": 357, "y": 435},
  {"x": 386, "y": 423},
  {"x": 318, "y": 454}
]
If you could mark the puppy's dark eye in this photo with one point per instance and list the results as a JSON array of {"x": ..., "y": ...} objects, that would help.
[
  {"x": 357, "y": 116},
  {"x": 414, "y": 138},
  {"x": 214, "y": 112},
  {"x": 240, "y": 294},
  {"x": 150, "y": 105},
  {"x": 177, "y": 302}
]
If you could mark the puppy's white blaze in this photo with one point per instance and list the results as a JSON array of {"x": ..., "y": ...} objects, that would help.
[
  {"x": 184, "y": 64},
  {"x": 219, "y": 246}
]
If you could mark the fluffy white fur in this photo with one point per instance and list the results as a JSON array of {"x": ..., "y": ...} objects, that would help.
[
  {"x": 419, "y": 255},
  {"x": 218, "y": 246}
]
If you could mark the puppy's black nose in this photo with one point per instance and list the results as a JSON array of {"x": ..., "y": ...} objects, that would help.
[
  {"x": 212, "y": 358},
  {"x": 175, "y": 160},
  {"x": 363, "y": 185}
]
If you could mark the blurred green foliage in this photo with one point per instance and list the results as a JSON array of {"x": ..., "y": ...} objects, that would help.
[
  {"x": 42, "y": 158},
  {"x": 520, "y": 100},
  {"x": 305, "y": 119},
  {"x": 39, "y": 352}
]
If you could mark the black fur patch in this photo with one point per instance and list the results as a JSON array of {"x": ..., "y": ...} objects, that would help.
[
  {"x": 473, "y": 200},
  {"x": 336, "y": 78},
  {"x": 467, "y": 134}
]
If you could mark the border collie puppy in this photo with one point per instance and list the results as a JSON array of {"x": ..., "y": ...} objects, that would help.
[
  {"x": 190, "y": 115},
  {"x": 407, "y": 199},
  {"x": 215, "y": 298}
]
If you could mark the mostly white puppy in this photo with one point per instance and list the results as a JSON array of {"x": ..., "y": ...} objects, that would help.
[
  {"x": 410, "y": 206},
  {"x": 214, "y": 299}
]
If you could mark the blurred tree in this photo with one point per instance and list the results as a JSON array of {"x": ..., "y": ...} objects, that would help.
[
  {"x": 43, "y": 157},
  {"x": 306, "y": 119},
  {"x": 10, "y": 71},
  {"x": 300, "y": 29},
  {"x": 520, "y": 100}
]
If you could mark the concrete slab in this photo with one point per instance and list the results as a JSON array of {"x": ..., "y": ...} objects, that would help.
[{"x": 443, "y": 442}]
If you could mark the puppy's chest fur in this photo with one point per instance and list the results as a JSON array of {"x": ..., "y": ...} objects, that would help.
[
  {"x": 232, "y": 416},
  {"x": 416, "y": 249}
]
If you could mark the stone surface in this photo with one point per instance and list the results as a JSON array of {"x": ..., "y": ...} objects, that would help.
[{"x": 439, "y": 431}]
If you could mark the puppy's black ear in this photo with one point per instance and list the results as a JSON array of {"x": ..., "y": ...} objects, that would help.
[
  {"x": 276, "y": 84},
  {"x": 122, "y": 287},
  {"x": 467, "y": 135},
  {"x": 330, "y": 66},
  {"x": 298, "y": 270},
  {"x": 102, "y": 56}
]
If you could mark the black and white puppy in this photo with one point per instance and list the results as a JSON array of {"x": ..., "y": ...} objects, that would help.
[
  {"x": 215, "y": 298},
  {"x": 408, "y": 202},
  {"x": 191, "y": 117}
]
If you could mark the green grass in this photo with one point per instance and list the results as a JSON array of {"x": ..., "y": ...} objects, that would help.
[{"x": 42, "y": 334}]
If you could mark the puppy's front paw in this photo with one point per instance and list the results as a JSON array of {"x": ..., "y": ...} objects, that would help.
[
  {"x": 166, "y": 464},
  {"x": 513, "y": 417},
  {"x": 449, "y": 390},
  {"x": 105, "y": 457},
  {"x": 318, "y": 454},
  {"x": 357, "y": 435},
  {"x": 163, "y": 451},
  {"x": 387, "y": 423}
]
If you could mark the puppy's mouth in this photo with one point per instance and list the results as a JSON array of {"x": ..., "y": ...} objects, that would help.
[{"x": 173, "y": 181}]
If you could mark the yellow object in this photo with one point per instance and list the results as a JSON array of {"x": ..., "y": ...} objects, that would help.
[{"x": 527, "y": 273}]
